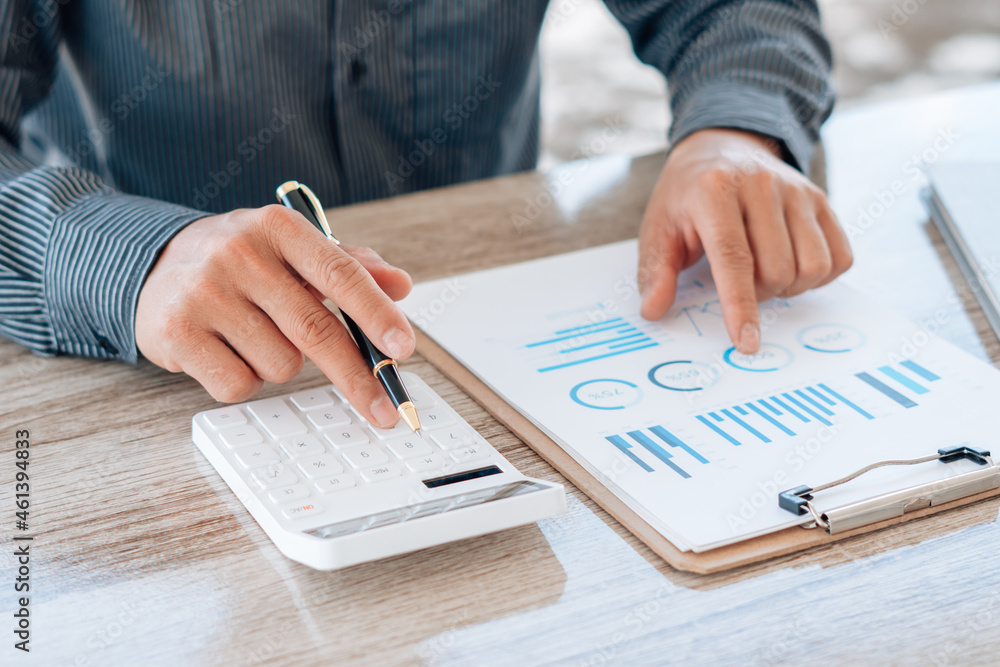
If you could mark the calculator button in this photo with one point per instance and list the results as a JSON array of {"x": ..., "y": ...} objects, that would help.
[
  {"x": 435, "y": 418},
  {"x": 302, "y": 445},
  {"x": 347, "y": 436},
  {"x": 288, "y": 493},
  {"x": 223, "y": 417},
  {"x": 470, "y": 453},
  {"x": 405, "y": 448},
  {"x": 335, "y": 483},
  {"x": 397, "y": 431},
  {"x": 240, "y": 436},
  {"x": 367, "y": 456},
  {"x": 425, "y": 463},
  {"x": 322, "y": 419},
  {"x": 276, "y": 417},
  {"x": 422, "y": 398},
  {"x": 256, "y": 456},
  {"x": 453, "y": 437},
  {"x": 302, "y": 510},
  {"x": 312, "y": 400},
  {"x": 379, "y": 473},
  {"x": 323, "y": 465},
  {"x": 274, "y": 476}
]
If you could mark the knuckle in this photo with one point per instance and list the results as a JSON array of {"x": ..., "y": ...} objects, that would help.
[
  {"x": 717, "y": 178},
  {"x": 313, "y": 328},
  {"x": 343, "y": 271},
  {"x": 237, "y": 387},
  {"x": 356, "y": 383},
  {"x": 734, "y": 254},
  {"x": 775, "y": 276},
  {"x": 816, "y": 268},
  {"x": 285, "y": 367}
]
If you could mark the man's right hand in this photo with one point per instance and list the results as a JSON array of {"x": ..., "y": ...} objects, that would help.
[{"x": 236, "y": 299}]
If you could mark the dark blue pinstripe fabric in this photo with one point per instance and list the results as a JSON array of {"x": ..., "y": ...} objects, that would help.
[{"x": 121, "y": 121}]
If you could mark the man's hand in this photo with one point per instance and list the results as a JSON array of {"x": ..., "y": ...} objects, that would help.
[
  {"x": 236, "y": 299},
  {"x": 767, "y": 231}
]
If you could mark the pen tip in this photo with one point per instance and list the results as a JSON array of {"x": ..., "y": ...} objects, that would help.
[{"x": 408, "y": 414}]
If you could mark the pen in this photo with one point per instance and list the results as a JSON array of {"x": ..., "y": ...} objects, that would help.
[{"x": 298, "y": 197}]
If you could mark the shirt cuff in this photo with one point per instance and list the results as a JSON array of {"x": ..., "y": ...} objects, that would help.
[
  {"x": 99, "y": 254},
  {"x": 745, "y": 107}
]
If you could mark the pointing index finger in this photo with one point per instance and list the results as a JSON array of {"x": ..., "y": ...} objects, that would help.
[{"x": 724, "y": 237}]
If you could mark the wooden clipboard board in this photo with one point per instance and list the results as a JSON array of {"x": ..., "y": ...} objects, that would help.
[{"x": 754, "y": 550}]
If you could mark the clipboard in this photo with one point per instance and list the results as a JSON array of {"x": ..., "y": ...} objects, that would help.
[{"x": 754, "y": 550}]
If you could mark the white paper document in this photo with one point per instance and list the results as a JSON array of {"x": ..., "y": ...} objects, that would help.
[{"x": 695, "y": 437}]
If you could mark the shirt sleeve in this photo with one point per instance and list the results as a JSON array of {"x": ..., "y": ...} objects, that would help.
[
  {"x": 757, "y": 65},
  {"x": 73, "y": 252}
]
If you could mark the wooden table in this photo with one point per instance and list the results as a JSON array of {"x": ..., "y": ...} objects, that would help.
[{"x": 143, "y": 556}]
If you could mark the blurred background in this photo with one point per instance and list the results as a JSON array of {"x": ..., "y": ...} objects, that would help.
[{"x": 591, "y": 77}]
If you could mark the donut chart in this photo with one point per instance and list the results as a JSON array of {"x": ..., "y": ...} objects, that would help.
[
  {"x": 769, "y": 357},
  {"x": 606, "y": 394},
  {"x": 831, "y": 338},
  {"x": 683, "y": 375}
]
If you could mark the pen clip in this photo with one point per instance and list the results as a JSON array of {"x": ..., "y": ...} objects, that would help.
[{"x": 317, "y": 208}]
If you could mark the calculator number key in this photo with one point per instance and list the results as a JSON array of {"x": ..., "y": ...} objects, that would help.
[
  {"x": 365, "y": 457},
  {"x": 434, "y": 418},
  {"x": 347, "y": 436},
  {"x": 324, "y": 419},
  {"x": 454, "y": 437},
  {"x": 405, "y": 448}
]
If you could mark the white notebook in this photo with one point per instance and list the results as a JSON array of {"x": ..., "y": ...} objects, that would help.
[
  {"x": 695, "y": 437},
  {"x": 964, "y": 203}
]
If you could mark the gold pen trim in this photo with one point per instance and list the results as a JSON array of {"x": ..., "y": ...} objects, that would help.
[
  {"x": 408, "y": 413},
  {"x": 288, "y": 186},
  {"x": 382, "y": 364}
]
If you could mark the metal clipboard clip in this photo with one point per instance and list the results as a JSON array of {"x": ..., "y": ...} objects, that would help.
[{"x": 798, "y": 501}]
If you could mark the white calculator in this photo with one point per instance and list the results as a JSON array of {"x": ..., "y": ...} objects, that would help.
[{"x": 332, "y": 490}]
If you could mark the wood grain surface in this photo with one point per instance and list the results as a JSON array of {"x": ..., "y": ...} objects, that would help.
[{"x": 142, "y": 556}]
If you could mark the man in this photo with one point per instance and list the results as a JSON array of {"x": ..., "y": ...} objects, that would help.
[{"x": 142, "y": 140}]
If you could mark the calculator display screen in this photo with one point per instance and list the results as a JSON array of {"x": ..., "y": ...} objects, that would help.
[{"x": 438, "y": 506}]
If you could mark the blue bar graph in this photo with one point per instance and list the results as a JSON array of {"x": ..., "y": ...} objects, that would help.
[
  {"x": 880, "y": 386},
  {"x": 860, "y": 411},
  {"x": 718, "y": 430},
  {"x": 765, "y": 422},
  {"x": 657, "y": 454},
  {"x": 589, "y": 342},
  {"x": 919, "y": 370},
  {"x": 672, "y": 440},
  {"x": 750, "y": 429},
  {"x": 626, "y": 449},
  {"x": 913, "y": 386}
]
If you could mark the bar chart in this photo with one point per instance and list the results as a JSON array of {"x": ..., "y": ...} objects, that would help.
[
  {"x": 900, "y": 384},
  {"x": 650, "y": 453},
  {"x": 783, "y": 414},
  {"x": 587, "y": 343}
]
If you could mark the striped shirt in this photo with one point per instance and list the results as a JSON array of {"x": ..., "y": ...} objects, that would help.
[{"x": 122, "y": 121}]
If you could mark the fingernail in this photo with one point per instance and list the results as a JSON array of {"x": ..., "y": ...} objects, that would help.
[
  {"x": 384, "y": 413},
  {"x": 397, "y": 342},
  {"x": 749, "y": 338}
]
